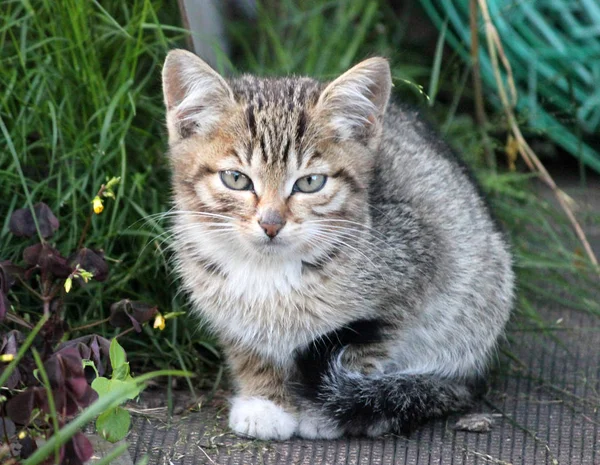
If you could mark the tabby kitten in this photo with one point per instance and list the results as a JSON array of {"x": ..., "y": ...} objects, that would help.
[{"x": 340, "y": 252}]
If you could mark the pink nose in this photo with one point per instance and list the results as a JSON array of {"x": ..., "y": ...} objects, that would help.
[
  {"x": 271, "y": 222},
  {"x": 271, "y": 229}
]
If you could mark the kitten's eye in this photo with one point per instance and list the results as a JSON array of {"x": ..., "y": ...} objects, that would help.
[
  {"x": 236, "y": 180},
  {"x": 310, "y": 184}
]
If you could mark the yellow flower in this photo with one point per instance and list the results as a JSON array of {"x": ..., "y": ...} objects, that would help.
[
  {"x": 97, "y": 205},
  {"x": 22, "y": 434},
  {"x": 159, "y": 322},
  {"x": 10, "y": 357}
]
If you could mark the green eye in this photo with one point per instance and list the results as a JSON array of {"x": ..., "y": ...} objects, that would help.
[
  {"x": 310, "y": 184},
  {"x": 236, "y": 180}
]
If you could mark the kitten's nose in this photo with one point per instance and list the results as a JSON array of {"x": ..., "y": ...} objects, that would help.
[{"x": 271, "y": 222}]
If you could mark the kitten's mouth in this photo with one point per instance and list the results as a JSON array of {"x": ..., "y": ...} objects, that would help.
[
  {"x": 275, "y": 242},
  {"x": 273, "y": 245}
]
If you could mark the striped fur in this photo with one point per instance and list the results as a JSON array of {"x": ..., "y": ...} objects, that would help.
[{"x": 389, "y": 285}]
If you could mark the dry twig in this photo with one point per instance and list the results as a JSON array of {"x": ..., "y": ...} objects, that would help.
[{"x": 496, "y": 51}]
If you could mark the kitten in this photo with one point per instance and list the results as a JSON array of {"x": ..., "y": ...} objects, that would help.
[{"x": 345, "y": 259}]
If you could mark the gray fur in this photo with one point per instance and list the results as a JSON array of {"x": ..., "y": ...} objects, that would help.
[{"x": 419, "y": 252}]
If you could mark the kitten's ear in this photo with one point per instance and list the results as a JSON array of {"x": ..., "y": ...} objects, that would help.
[
  {"x": 196, "y": 96},
  {"x": 354, "y": 104}
]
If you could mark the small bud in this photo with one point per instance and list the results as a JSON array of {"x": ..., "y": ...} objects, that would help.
[
  {"x": 68, "y": 285},
  {"x": 97, "y": 205},
  {"x": 159, "y": 322},
  {"x": 112, "y": 182},
  {"x": 85, "y": 275},
  {"x": 22, "y": 434},
  {"x": 10, "y": 357}
]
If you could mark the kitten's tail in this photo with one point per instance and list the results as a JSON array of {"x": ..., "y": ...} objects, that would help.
[{"x": 377, "y": 403}]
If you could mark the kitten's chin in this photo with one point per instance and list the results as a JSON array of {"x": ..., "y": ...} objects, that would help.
[
  {"x": 275, "y": 246},
  {"x": 280, "y": 248}
]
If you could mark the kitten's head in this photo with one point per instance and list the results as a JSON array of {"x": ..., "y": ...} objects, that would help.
[{"x": 271, "y": 167}]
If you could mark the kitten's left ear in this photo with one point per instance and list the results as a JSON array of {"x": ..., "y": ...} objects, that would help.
[
  {"x": 196, "y": 96},
  {"x": 354, "y": 104}
]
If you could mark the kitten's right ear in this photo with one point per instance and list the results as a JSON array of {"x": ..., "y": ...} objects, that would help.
[
  {"x": 354, "y": 103},
  {"x": 196, "y": 96}
]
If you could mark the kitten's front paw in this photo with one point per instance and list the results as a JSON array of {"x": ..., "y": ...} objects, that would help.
[
  {"x": 261, "y": 418},
  {"x": 314, "y": 426}
]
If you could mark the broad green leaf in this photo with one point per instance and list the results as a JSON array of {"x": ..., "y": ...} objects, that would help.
[
  {"x": 121, "y": 372},
  {"x": 101, "y": 385},
  {"x": 117, "y": 355},
  {"x": 113, "y": 424}
]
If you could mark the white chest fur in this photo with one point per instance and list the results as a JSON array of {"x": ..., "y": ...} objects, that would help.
[{"x": 272, "y": 308}]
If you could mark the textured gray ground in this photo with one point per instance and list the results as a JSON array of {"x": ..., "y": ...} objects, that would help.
[
  {"x": 545, "y": 406},
  {"x": 545, "y": 412}
]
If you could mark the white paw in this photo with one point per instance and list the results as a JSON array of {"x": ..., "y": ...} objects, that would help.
[
  {"x": 261, "y": 418},
  {"x": 314, "y": 426}
]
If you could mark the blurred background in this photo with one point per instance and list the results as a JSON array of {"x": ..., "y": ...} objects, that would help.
[{"x": 512, "y": 85}]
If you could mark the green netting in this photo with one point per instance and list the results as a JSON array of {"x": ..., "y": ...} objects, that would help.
[{"x": 554, "y": 50}]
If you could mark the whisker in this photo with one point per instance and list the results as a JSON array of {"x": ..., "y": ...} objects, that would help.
[
  {"x": 349, "y": 233},
  {"x": 333, "y": 220},
  {"x": 340, "y": 241}
]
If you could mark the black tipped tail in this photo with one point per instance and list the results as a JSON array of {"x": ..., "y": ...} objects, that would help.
[{"x": 376, "y": 403}]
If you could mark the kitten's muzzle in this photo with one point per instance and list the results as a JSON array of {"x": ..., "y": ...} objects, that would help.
[{"x": 271, "y": 222}]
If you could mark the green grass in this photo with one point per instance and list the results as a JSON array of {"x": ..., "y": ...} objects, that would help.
[{"x": 80, "y": 100}]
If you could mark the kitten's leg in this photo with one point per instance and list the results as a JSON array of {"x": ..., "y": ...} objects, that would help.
[
  {"x": 262, "y": 408},
  {"x": 364, "y": 359}
]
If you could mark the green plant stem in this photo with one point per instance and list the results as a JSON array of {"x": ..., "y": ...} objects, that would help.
[
  {"x": 29, "y": 288},
  {"x": 122, "y": 333},
  {"x": 91, "y": 325},
  {"x": 86, "y": 228},
  {"x": 88, "y": 221},
  {"x": 28, "y": 341},
  {"x": 50, "y": 396},
  {"x": 18, "y": 320}
]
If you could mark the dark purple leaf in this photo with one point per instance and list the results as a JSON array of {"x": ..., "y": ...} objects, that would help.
[
  {"x": 78, "y": 386},
  {"x": 55, "y": 328},
  {"x": 22, "y": 224},
  {"x": 72, "y": 362},
  {"x": 92, "y": 347},
  {"x": 19, "y": 408},
  {"x": 13, "y": 379},
  {"x": 88, "y": 397},
  {"x": 78, "y": 450},
  {"x": 92, "y": 261},
  {"x": 28, "y": 447},
  {"x": 68, "y": 382},
  {"x": 4, "y": 305},
  {"x": 9, "y": 344},
  {"x": 8, "y": 274},
  {"x": 55, "y": 371},
  {"x": 48, "y": 259},
  {"x": 59, "y": 394},
  {"x": 126, "y": 312},
  {"x": 7, "y": 427}
]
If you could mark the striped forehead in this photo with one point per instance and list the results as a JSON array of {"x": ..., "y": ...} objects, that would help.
[{"x": 276, "y": 115}]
